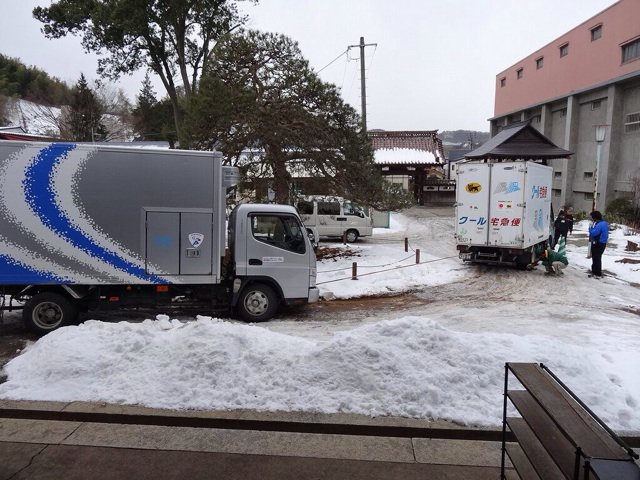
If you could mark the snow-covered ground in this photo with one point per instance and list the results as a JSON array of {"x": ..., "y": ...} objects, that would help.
[{"x": 443, "y": 359}]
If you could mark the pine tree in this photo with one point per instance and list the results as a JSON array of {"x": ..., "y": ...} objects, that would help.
[
  {"x": 143, "y": 115},
  {"x": 83, "y": 122}
]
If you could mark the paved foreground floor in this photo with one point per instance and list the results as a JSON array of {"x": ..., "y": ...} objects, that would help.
[{"x": 55, "y": 449}]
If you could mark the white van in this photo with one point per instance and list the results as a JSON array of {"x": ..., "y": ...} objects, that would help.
[{"x": 333, "y": 216}]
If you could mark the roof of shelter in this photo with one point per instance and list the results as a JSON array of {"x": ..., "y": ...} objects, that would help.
[
  {"x": 519, "y": 141},
  {"x": 407, "y": 147}
]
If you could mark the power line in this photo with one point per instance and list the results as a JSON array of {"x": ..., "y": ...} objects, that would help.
[{"x": 332, "y": 61}]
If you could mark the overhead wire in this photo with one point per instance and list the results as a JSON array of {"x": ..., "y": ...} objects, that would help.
[{"x": 332, "y": 61}]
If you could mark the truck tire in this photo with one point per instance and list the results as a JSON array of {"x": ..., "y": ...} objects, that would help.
[
  {"x": 258, "y": 303},
  {"x": 352, "y": 236},
  {"x": 47, "y": 311}
]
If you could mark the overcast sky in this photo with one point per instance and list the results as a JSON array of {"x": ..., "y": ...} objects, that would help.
[{"x": 433, "y": 68}]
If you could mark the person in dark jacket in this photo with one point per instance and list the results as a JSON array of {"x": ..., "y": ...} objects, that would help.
[
  {"x": 568, "y": 214},
  {"x": 562, "y": 226},
  {"x": 598, "y": 237}
]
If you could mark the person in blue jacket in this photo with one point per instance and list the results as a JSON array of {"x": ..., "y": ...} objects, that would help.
[{"x": 598, "y": 236}]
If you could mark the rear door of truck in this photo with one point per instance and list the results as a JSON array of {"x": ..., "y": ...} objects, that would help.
[
  {"x": 506, "y": 208},
  {"x": 538, "y": 198},
  {"x": 472, "y": 212}
]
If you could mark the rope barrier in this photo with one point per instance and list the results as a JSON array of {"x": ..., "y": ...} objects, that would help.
[
  {"x": 387, "y": 270},
  {"x": 369, "y": 266}
]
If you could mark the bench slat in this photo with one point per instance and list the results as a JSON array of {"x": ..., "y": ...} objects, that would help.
[
  {"x": 536, "y": 456},
  {"x": 594, "y": 440},
  {"x": 546, "y": 431},
  {"x": 521, "y": 463}
]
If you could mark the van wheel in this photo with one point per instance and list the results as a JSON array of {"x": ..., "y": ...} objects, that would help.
[
  {"x": 352, "y": 236},
  {"x": 47, "y": 311},
  {"x": 258, "y": 303}
]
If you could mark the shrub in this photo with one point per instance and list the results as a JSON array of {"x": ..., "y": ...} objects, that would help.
[{"x": 620, "y": 210}]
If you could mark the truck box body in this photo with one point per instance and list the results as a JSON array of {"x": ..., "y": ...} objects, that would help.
[
  {"x": 82, "y": 214},
  {"x": 82, "y": 225},
  {"x": 503, "y": 209}
]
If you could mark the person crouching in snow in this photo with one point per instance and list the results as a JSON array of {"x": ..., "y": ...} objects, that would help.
[{"x": 554, "y": 261}]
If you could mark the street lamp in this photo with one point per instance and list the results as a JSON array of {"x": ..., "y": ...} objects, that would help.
[{"x": 601, "y": 133}]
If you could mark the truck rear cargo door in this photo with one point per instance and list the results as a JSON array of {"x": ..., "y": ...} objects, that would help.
[
  {"x": 506, "y": 208},
  {"x": 472, "y": 206}
]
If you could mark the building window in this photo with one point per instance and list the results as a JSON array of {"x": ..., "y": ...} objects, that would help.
[
  {"x": 539, "y": 63},
  {"x": 588, "y": 195},
  {"x": 503, "y": 81},
  {"x": 519, "y": 73},
  {"x": 563, "y": 112},
  {"x": 557, "y": 192},
  {"x": 536, "y": 119},
  {"x": 632, "y": 123},
  {"x": 588, "y": 175},
  {"x": 564, "y": 50},
  {"x": 596, "y": 32},
  {"x": 557, "y": 174},
  {"x": 596, "y": 104},
  {"x": 631, "y": 51}
]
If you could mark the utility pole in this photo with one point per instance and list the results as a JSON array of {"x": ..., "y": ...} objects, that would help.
[{"x": 363, "y": 85}]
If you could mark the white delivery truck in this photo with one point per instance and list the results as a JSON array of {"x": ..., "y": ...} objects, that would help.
[
  {"x": 503, "y": 211},
  {"x": 87, "y": 227},
  {"x": 327, "y": 216}
]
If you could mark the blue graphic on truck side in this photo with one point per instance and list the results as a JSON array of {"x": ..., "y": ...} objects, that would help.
[{"x": 41, "y": 198}]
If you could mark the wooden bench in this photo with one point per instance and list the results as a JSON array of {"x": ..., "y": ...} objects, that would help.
[{"x": 558, "y": 437}]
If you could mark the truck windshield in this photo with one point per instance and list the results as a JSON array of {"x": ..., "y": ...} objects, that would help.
[{"x": 284, "y": 232}]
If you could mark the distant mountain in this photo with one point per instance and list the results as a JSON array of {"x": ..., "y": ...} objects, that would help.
[
  {"x": 463, "y": 138},
  {"x": 30, "y": 83}
]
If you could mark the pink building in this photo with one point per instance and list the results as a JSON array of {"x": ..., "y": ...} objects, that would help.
[
  {"x": 587, "y": 77},
  {"x": 592, "y": 53}
]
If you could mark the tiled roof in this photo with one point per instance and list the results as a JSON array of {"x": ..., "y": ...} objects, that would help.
[{"x": 409, "y": 141}]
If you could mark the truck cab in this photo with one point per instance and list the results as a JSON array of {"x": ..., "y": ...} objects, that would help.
[
  {"x": 273, "y": 259},
  {"x": 335, "y": 217}
]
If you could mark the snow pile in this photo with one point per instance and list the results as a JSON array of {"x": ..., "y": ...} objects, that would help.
[{"x": 408, "y": 367}]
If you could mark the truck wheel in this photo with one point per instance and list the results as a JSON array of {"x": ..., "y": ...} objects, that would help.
[
  {"x": 258, "y": 303},
  {"x": 352, "y": 236},
  {"x": 47, "y": 311}
]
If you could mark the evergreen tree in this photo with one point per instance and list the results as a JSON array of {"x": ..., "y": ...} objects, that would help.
[
  {"x": 143, "y": 113},
  {"x": 83, "y": 119},
  {"x": 259, "y": 91},
  {"x": 153, "y": 118}
]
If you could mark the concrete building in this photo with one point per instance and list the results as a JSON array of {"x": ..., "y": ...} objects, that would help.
[{"x": 588, "y": 77}]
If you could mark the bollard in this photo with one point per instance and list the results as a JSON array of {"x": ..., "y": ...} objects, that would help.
[
  {"x": 417, "y": 255},
  {"x": 344, "y": 237},
  {"x": 354, "y": 271},
  {"x": 406, "y": 244}
]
